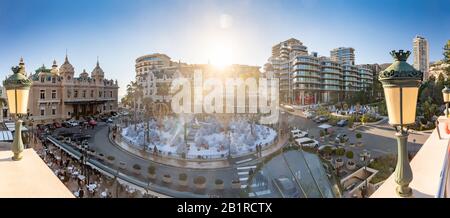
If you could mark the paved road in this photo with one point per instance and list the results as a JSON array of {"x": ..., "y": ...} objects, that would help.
[
  {"x": 379, "y": 139},
  {"x": 101, "y": 144}
]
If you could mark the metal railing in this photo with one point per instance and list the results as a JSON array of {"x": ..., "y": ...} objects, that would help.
[{"x": 444, "y": 183}]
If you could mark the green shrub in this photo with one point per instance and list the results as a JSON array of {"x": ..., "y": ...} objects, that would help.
[
  {"x": 218, "y": 182},
  {"x": 340, "y": 151},
  {"x": 349, "y": 154},
  {"x": 151, "y": 170},
  {"x": 182, "y": 177},
  {"x": 199, "y": 180},
  {"x": 358, "y": 135},
  {"x": 136, "y": 167}
]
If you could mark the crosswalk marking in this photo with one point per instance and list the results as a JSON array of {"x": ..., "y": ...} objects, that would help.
[
  {"x": 263, "y": 192},
  {"x": 242, "y": 161},
  {"x": 242, "y": 173},
  {"x": 243, "y": 179},
  {"x": 247, "y": 167}
]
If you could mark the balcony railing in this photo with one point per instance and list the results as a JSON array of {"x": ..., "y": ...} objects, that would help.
[{"x": 430, "y": 167}]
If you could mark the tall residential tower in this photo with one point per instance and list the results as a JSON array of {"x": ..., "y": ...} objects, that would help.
[{"x": 421, "y": 55}]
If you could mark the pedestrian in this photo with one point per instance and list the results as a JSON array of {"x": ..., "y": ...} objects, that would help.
[
  {"x": 81, "y": 193},
  {"x": 250, "y": 172}
]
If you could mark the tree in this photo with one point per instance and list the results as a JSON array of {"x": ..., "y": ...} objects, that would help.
[
  {"x": 447, "y": 52},
  {"x": 349, "y": 154}
]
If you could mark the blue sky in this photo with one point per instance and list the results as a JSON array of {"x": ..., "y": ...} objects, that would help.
[{"x": 118, "y": 31}]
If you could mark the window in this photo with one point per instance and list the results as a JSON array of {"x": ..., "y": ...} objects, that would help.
[
  {"x": 54, "y": 111},
  {"x": 92, "y": 93},
  {"x": 110, "y": 107},
  {"x": 104, "y": 107},
  {"x": 69, "y": 93},
  {"x": 75, "y": 94},
  {"x": 42, "y": 94},
  {"x": 100, "y": 94},
  {"x": 111, "y": 94},
  {"x": 42, "y": 111},
  {"x": 53, "y": 80},
  {"x": 53, "y": 94},
  {"x": 42, "y": 79},
  {"x": 84, "y": 93}
]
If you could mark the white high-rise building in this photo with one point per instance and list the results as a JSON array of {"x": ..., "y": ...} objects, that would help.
[{"x": 421, "y": 55}]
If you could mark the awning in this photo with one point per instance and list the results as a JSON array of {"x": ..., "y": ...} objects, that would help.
[
  {"x": 6, "y": 136},
  {"x": 12, "y": 127}
]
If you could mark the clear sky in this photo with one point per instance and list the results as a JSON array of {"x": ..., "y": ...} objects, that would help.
[{"x": 198, "y": 31}]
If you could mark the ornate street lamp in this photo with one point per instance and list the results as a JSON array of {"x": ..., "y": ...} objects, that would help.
[
  {"x": 17, "y": 88},
  {"x": 401, "y": 87},
  {"x": 446, "y": 97}
]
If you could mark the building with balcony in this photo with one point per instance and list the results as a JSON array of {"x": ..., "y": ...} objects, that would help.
[
  {"x": 57, "y": 94},
  {"x": 343, "y": 55},
  {"x": 309, "y": 79}
]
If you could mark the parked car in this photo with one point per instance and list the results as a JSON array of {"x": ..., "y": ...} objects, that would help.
[
  {"x": 321, "y": 119},
  {"x": 50, "y": 126},
  {"x": 341, "y": 138},
  {"x": 109, "y": 120},
  {"x": 92, "y": 122},
  {"x": 71, "y": 123},
  {"x": 300, "y": 134},
  {"x": 307, "y": 142},
  {"x": 310, "y": 115},
  {"x": 286, "y": 187},
  {"x": 342, "y": 123},
  {"x": 57, "y": 125}
]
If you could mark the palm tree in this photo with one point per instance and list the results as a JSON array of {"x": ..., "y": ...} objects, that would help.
[{"x": 148, "y": 103}]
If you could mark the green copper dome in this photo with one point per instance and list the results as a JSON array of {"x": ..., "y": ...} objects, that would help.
[{"x": 400, "y": 72}]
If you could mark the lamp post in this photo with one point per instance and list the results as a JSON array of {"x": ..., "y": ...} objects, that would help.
[
  {"x": 446, "y": 97},
  {"x": 17, "y": 88},
  {"x": 401, "y": 86}
]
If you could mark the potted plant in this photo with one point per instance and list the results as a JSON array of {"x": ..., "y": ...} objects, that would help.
[
  {"x": 151, "y": 172},
  {"x": 167, "y": 178},
  {"x": 182, "y": 179},
  {"x": 101, "y": 157},
  {"x": 350, "y": 163},
  {"x": 122, "y": 165},
  {"x": 358, "y": 135},
  {"x": 236, "y": 184},
  {"x": 111, "y": 159},
  {"x": 219, "y": 184},
  {"x": 137, "y": 169},
  {"x": 200, "y": 182}
]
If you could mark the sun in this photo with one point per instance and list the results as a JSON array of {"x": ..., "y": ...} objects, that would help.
[{"x": 221, "y": 55}]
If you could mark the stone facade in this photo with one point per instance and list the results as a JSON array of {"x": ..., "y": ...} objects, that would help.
[{"x": 56, "y": 94}]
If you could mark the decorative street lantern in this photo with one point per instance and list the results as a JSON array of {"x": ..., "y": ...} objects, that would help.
[
  {"x": 446, "y": 97},
  {"x": 401, "y": 87},
  {"x": 17, "y": 88}
]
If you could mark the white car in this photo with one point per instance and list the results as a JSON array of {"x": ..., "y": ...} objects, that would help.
[
  {"x": 307, "y": 142},
  {"x": 72, "y": 123},
  {"x": 300, "y": 134}
]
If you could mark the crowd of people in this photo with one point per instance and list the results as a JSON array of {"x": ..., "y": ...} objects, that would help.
[{"x": 81, "y": 179}]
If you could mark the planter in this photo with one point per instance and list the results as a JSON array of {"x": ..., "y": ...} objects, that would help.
[
  {"x": 122, "y": 166},
  {"x": 200, "y": 182},
  {"x": 350, "y": 165},
  {"x": 219, "y": 184},
  {"x": 182, "y": 180},
  {"x": 151, "y": 170},
  {"x": 137, "y": 169},
  {"x": 236, "y": 184},
  {"x": 167, "y": 179},
  {"x": 111, "y": 159},
  {"x": 339, "y": 162}
]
